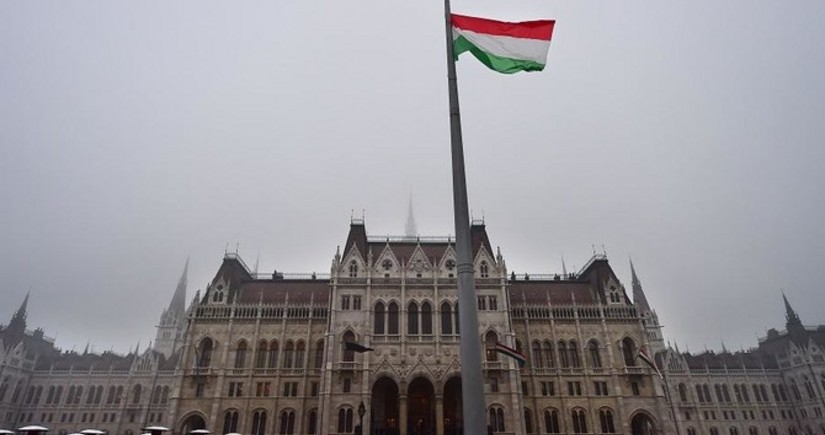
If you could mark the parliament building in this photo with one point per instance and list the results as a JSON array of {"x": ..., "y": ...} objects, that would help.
[{"x": 267, "y": 353}]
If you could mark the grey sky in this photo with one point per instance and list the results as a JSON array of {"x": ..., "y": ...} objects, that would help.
[{"x": 133, "y": 134}]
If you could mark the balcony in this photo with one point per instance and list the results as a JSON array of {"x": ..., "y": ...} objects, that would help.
[{"x": 346, "y": 365}]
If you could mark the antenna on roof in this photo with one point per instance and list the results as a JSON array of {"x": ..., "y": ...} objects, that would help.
[{"x": 563, "y": 267}]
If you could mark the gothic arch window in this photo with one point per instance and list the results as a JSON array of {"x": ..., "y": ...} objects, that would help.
[
  {"x": 490, "y": 340},
  {"x": 287, "y": 422},
  {"x": 240, "y": 355},
  {"x": 691, "y": 431},
  {"x": 457, "y": 322},
  {"x": 349, "y": 355},
  {"x": 446, "y": 318},
  {"x": 262, "y": 355},
  {"x": 734, "y": 430},
  {"x": 136, "y": 390},
  {"x": 273, "y": 354},
  {"x": 528, "y": 421},
  {"x": 69, "y": 397},
  {"x": 353, "y": 269},
  {"x": 575, "y": 361},
  {"x": 380, "y": 320},
  {"x": 119, "y": 394},
  {"x": 426, "y": 318},
  {"x": 300, "y": 354},
  {"x": 259, "y": 422},
  {"x": 484, "y": 269},
  {"x": 549, "y": 355},
  {"x": 537, "y": 360},
  {"x": 5, "y": 386},
  {"x": 726, "y": 392},
  {"x": 289, "y": 354},
  {"x": 683, "y": 393},
  {"x": 230, "y": 422},
  {"x": 606, "y": 420},
  {"x": 772, "y": 431},
  {"x": 595, "y": 357},
  {"x": 706, "y": 390},
  {"x": 392, "y": 319},
  {"x": 345, "y": 420},
  {"x": 206, "y": 347},
  {"x": 156, "y": 395},
  {"x": 59, "y": 393},
  {"x": 564, "y": 362},
  {"x": 164, "y": 397},
  {"x": 629, "y": 352},
  {"x": 776, "y": 392},
  {"x": 764, "y": 390},
  {"x": 98, "y": 394},
  {"x": 497, "y": 418},
  {"x": 319, "y": 354},
  {"x": 40, "y": 392},
  {"x": 579, "y": 421},
  {"x": 714, "y": 431},
  {"x": 753, "y": 431},
  {"x": 412, "y": 318},
  {"x": 312, "y": 422},
  {"x": 551, "y": 421}
]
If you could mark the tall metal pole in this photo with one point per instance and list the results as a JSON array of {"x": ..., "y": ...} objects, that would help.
[{"x": 472, "y": 380}]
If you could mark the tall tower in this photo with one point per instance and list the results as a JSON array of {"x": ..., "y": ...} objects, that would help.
[
  {"x": 16, "y": 329},
  {"x": 649, "y": 316},
  {"x": 172, "y": 325},
  {"x": 794, "y": 324},
  {"x": 409, "y": 229}
]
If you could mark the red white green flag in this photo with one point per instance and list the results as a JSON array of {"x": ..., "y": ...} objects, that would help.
[
  {"x": 512, "y": 353},
  {"x": 504, "y": 47}
]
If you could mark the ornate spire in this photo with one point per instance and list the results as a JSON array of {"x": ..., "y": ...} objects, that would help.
[
  {"x": 178, "y": 303},
  {"x": 794, "y": 324},
  {"x": 410, "y": 230},
  {"x": 16, "y": 328},
  {"x": 638, "y": 294}
]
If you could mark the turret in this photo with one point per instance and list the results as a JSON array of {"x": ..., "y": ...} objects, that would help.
[{"x": 169, "y": 336}]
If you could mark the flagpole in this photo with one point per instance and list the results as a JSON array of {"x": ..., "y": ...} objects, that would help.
[{"x": 472, "y": 379}]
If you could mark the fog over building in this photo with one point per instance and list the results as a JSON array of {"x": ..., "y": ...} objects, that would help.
[{"x": 267, "y": 353}]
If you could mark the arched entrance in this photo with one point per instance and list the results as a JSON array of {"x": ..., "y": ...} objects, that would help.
[
  {"x": 420, "y": 407},
  {"x": 384, "y": 407},
  {"x": 642, "y": 424},
  {"x": 453, "y": 412},
  {"x": 191, "y": 423}
]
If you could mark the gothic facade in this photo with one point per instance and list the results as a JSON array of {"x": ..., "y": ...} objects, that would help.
[{"x": 372, "y": 347}]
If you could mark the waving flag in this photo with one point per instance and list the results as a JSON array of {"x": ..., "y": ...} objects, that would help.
[{"x": 504, "y": 47}]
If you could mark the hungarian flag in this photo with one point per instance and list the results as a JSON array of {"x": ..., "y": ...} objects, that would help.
[
  {"x": 504, "y": 47},
  {"x": 355, "y": 347},
  {"x": 512, "y": 353},
  {"x": 649, "y": 361}
]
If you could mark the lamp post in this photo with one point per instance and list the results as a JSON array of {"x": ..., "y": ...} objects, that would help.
[{"x": 361, "y": 411}]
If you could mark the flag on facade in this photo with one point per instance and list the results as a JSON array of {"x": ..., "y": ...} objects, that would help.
[
  {"x": 504, "y": 47},
  {"x": 512, "y": 353},
  {"x": 355, "y": 347},
  {"x": 649, "y": 361}
]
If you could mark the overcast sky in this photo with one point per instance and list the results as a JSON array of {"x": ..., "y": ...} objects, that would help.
[{"x": 688, "y": 135}]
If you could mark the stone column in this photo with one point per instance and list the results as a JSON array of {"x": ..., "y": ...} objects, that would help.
[
  {"x": 439, "y": 414},
  {"x": 402, "y": 409}
]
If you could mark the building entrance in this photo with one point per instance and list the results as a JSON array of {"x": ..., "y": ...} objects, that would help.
[
  {"x": 453, "y": 420},
  {"x": 420, "y": 407},
  {"x": 384, "y": 407}
]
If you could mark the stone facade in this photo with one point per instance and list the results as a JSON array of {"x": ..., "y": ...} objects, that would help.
[{"x": 279, "y": 353}]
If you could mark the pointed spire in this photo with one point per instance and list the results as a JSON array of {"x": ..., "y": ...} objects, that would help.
[
  {"x": 178, "y": 303},
  {"x": 790, "y": 315},
  {"x": 257, "y": 261},
  {"x": 563, "y": 267},
  {"x": 794, "y": 324},
  {"x": 16, "y": 328},
  {"x": 638, "y": 294},
  {"x": 410, "y": 230}
]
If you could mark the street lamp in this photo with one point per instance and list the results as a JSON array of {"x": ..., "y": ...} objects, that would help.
[{"x": 361, "y": 411}]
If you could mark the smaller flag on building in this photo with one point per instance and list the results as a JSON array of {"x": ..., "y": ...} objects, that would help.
[
  {"x": 355, "y": 347},
  {"x": 649, "y": 361},
  {"x": 512, "y": 353},
  {"x": 504, "y": 47}
]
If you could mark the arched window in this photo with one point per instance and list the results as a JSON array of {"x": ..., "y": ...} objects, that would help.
[
  {"x": 734, "y": 431},
  {"x": 353, "y": 269},
  {"x": 156, "y": 395},
  {"x": 345, "y": 420},
  {"x": 551, "y": 421},
  {"x": 490, "y": 345},
  {"x": 98, "y": 394},
  {"x": 380, "y": 319},
  {"x": 164, "y": 397},
  {"x": 629, "y": 351},
  {"x": 691, "y": 431},
  {"x": 446, "y": 319},
  {"x": 5, "y": 387},
  {"x": 718, "y": 389},
  {"x": 259, "y": 423},
  {"x": 240, "y": 355},
  {"x": 683, "y": 393},
  {"x": 262, "y": 356},
  {"x": 457, "y": 323},
  {"x": 574, "y": 354},
  {"x": 289, "y": 354},
  {"x": 579, "y": 421},
  {"x": 230, "y": 422},
  {"x": 412, "y": 318},
  {"x": 745, "y": 395},
  {"x": 39, "y": 392},
  {"x": 392, "y": 319},
  {"x": 706, "y": 390},
  {"x": 319, "y": 354},
  {"x": 136, "y": 390},
  {"x": 528, "y": 421},
  {"x": 772, "y": 431},
  {"x": 606, "y": 420},
  {"x": 714, "y": 431},
  {"x": 484, "y": 270},
  {"x": 273, "y": 355},
  {"x": 726, "y": 392},
  {"x": 497, "y": 419},
  {"x": 595, "y": 357},
  {"x": 205, "y": 350},
  {"x": 549, "y": 355},
  {"x": 312, "y": 422},
  {"x": 764, "y": 390},
  {"x": 119, "y": 394},
  {"x": 69, "y": 397},
  {"x": 300, "y": 354},
  {"x": 537, "y": 360},
  {"x": 753, "y": 431},
  {"x": 564, "y": 362},
  {"x": 287, "y": 422},
  {"x": 59, "y": 393},
  {"x": 426, "y": 318},
  {"x": 349, "y": 355},
  {"x": 776, "y": 392}
]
